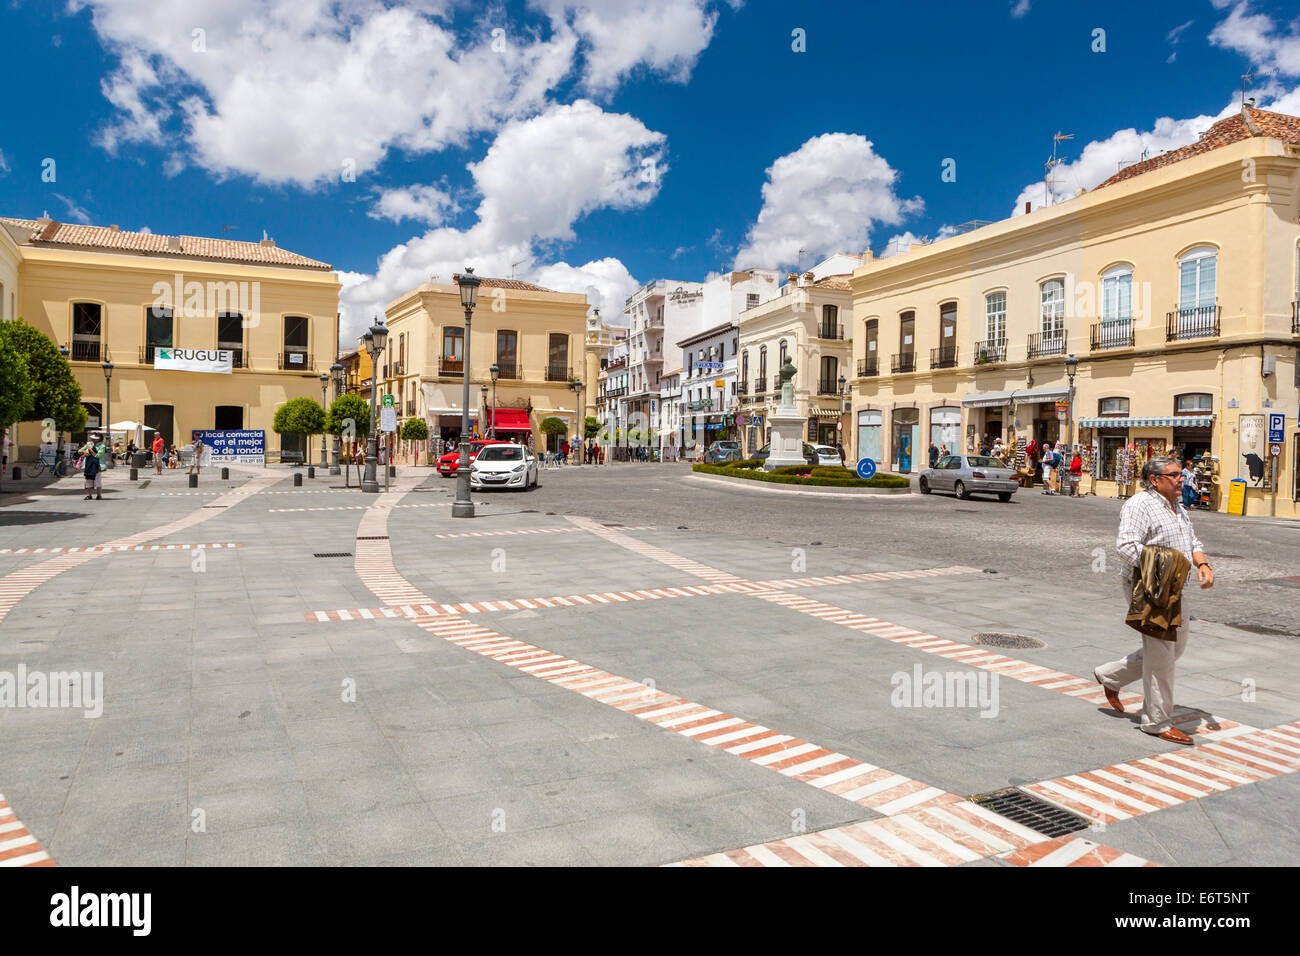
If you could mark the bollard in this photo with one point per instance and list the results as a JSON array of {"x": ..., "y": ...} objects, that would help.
[
  {"x": 18, "y": 473},
  {"x": 225, "y": 474},
  {"x": 392, "y": 471},
  {"x": 297, "y": 479},
  {"x": 311, "y": 471},
  {"x": 194, "y": 481},
  {"x": 135, "y": 474}
]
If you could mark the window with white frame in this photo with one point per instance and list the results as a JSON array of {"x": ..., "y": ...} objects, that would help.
[
  {"x": 995, "y": 317},
  {"x": 1193, "y": 403},
  {"x": 1198, "y": 279},
  {"x": 1113, "y": 406},
  {"x": 1117, "y": 296},
  {"x": 1053, "y": 308}
]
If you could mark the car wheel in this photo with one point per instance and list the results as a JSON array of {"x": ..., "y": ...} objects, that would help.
[
  {"x": 960, "y": 488},
  {"x": 924, "y": 486},
  {"x": 1004, "y": 496}
]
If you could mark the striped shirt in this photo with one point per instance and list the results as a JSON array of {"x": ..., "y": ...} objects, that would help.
[{"x": 1149, "y": 518}]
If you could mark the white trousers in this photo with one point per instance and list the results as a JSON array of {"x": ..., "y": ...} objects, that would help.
[{"x": 1154, "y": 663}]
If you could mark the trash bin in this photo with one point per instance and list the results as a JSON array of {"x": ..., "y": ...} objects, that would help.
[{"x": 139, "y": 459}]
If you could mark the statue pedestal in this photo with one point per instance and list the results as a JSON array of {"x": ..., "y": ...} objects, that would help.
[{"x": 787, "y": 438}]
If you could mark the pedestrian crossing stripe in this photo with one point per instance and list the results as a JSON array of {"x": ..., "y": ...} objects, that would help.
[
  {"x": 494, "y": 534},
  {"x": 18, "y": 847},
  {"x": 102, "y": 549},
  {"x": 370, "y": 507},
  {"x": 1072, "y": 851}
]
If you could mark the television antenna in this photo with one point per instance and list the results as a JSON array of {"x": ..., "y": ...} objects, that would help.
[
  {"x": 1246, "y": 77},
  {"x": 1050, "y": 164},
  {"x": 225, "y": 229},
  {"x": 513, "y": 264}
]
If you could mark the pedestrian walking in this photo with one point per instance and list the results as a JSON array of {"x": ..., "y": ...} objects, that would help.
[
  {"x": 196, "y": 464},
  {"x": 158, "y": 447},
  {"x": 1189, "y": 484},
  {"x": 93, "y": 453},
  {"x": 1076, "y": 473},
  {"x": 839, "y": 447},
  {"x": 1049, "y": 467},
  {"x": 1154, "y": 517}
]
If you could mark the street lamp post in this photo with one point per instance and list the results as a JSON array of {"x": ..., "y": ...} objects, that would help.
[
  {"x": 844, "y": 407},
  {"x": 324, "y": 398},
  {"x": 486, "y": 429},
  {"x": 1071, "y": 366},
  {"x": 494, "y": 371},
  {"x": 576, "y": 385},
  {"x": 336, "y": 373},
  {"x": 108, "y": 410},
  {"x": 463, "y": 507},
  {"x": 375, "y": 340}
]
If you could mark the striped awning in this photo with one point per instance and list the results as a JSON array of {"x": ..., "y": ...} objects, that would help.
[
  {"x": 1173, "y": 421},
  {"x": 816, "y": 412}
]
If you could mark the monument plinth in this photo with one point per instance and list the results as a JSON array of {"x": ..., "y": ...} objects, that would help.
[{"x": 787, "y": 426}]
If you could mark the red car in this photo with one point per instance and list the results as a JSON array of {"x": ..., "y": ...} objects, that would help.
[{"x": 448, "y": 463}]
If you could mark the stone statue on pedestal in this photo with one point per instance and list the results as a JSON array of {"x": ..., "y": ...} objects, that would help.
[{"x": 787, "y": 374}]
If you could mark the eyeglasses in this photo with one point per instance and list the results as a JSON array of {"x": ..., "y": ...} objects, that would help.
[{"x": 1170, "y": 474}]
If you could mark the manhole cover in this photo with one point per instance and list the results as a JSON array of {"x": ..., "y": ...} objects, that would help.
[
  {"x": 995, "y": 639},
  {"x": 1032, "y": 812}
]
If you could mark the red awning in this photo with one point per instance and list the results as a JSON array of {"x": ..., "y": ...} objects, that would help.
[{"x": 510, "y": 420}]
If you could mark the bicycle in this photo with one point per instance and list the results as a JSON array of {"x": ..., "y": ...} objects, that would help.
[{"x": 55, "y": 464}]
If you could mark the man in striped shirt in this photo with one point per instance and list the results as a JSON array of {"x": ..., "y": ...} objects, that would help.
[{"x": 1154, "y": 516}]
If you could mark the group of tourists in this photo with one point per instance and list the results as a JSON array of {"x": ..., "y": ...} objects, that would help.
[{"x": 1059, "y": 473}]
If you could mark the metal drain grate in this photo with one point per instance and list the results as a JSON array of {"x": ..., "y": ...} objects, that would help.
[
  {"x": 216, "y": 506},
  {"x": 372, "y": 537},
  {"x": 994, "y": 639},
  {"x": 332, "y": 554},
  {"x": 1029, "y": 811}
]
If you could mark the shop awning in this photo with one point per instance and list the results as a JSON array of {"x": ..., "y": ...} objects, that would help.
[
  {"x": 511, "y": 420},
  {"x": 1175, "y": 421},
  {"x": 986, "y": 399},
  {"x": 816, "y": 412},
  {"x": 1049, "y": 393}
]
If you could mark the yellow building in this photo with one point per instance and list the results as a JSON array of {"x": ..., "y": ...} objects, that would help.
[
  {"x": 811, "y": 322},
  {"x": 535, "y": 337},
  {"x": 1173, "y": 284},
  {"x": 117, "y": 297}
]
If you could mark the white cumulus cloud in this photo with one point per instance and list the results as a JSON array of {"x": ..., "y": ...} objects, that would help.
[
  {"x": 825, "y": 197},
  {"x": 427, "y": 204},
  {"x": 605, "y": 282}
]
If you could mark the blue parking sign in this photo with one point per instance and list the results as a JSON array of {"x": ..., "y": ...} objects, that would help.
[
  {"x": 866, "y": 468},
  {"x": 1276, "y": 427}
]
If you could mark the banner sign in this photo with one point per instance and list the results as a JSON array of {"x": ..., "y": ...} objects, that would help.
[
  {"x": 238, "y": 447},
  {"x": 220, "y": 361}
]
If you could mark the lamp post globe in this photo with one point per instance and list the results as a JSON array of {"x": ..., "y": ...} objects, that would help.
[
  {"x": 1071, "y": 366},
  {"x": 576, "y": 385},
  {"x": 374, "y": 340},
  {"x": 336, "y": 377},
  {"x": 108, "y": 411},
  {"x": 463, "y": 506}
]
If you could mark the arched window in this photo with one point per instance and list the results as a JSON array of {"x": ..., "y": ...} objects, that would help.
[
  {"x": 1198, "y": 278},
  {"x": 871, "y": 364},
  {"x": 1052, "y": 299},
  {"x": 995, "y": 319},
  {"x": 762, "y": 369},
  {"x": 785, "y": 353}
]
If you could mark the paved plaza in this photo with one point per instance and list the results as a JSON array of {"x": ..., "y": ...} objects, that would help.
[{"x": 627, "y": 666}]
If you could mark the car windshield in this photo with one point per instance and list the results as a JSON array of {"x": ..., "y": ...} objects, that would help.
[
  {"x": 979, "y": 461},
  {"x": 727, "y": 445},
  {"x": 501, "y": 453},
  {"x": 826, "y": 450}
]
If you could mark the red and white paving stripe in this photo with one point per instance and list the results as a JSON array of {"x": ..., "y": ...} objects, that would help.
[
  {"x": 103, "y": 549},
  {"x": 944, "y": 835},
  {"x": 655, "y": 554},
  {"x": 1197, "y": 722},
  {"x": 496, "y": 534},
  {"x": 1138, "y": 787},
  {"x": 1072, "y": 851},
  {"x": 17, "y": 845},
  {"x": 602, "y": 597},
  {"x": 370, "y": 507},
  {"x": 373, "y": 559}
]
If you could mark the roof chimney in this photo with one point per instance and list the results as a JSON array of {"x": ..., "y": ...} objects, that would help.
[
  {"x": 114, "y": 228},
  {"x": 173, "y": 243},
  {"x": 1029, "y": 207}
]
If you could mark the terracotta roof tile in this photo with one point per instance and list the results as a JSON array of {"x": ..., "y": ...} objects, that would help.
[
  {"x": 518, "y": 284},
  {"x": 1225, "y": 132},
  {"x": 57, "y": 233}
]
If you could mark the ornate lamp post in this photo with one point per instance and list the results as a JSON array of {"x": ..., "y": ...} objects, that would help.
[
  {"x": 108, "y": 411},
  {"x": 494, "y": 371},
  {"x": 576, "y": 385},
  {"x": 324, "y": 398},
  {"x": 336, "y": 374},
  {"x": 375, "y": 340},
  {"x": 463, "y": 507},
  {"x": 1071, "y": 366},
  {"x": 485, "y": 429}
]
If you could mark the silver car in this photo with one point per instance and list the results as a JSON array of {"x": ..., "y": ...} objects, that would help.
[
  {"x": 965, "y": 475},
  {"x": 504, "y": 466}
]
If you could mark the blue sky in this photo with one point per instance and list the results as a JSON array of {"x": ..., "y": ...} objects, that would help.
[{"x": 593, "y": 146}]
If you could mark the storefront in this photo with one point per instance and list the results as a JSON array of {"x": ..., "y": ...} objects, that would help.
[
  {"x": 870, "y": 440},
  {"x": 986, "y": 418},
  {"x": 823, "y": 426},
  {"x": 511, "y": 424},
  {"x": 1116, "y": 448},
  {"x": 945, "y": 429},
  {"x": 905, "y": 435}
]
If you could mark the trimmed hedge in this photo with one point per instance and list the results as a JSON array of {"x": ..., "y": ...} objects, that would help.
[{"x": 829, "y": 477}]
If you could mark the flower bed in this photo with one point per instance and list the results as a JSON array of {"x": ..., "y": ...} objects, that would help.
[{"x": 801, "y": 475}]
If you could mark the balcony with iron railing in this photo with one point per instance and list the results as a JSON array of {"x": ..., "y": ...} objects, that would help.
[
  {"x": 1198, "y": 323},
  {"x": 451, "y": 367},
  {"x": 990, "y": 351},
  {"x": 1295, "y": 318},
  {"x": 828, "y": 386},
  {"x": 507, "y": 369},
  {"x": 85, "y": 350},
  {"x": 760, "y": 386},
  {"x": 616, "y": 392},
  {"x": 742, "y": 388},
  {"x": 829, "y": 330},
  {"x": 1043, "y": 344},
  {"x": 410, "y": 406},
  {"x": 945, "y": 356},
  {"x": 617, "y": 363},
  {"x": 868, "y": 366},
  {"x": 296, "y": 361},
  {"x": 1111, "y": 334},
  {"x": 559, "y": 373},
  {"x": 903, "y": 362}
]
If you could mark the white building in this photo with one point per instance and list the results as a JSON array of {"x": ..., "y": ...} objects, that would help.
[{"x": 708, "y": 385}]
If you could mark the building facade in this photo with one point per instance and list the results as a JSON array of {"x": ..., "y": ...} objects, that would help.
[
  {"x": 810, "y": 322},
  {"x": 1155, "y": 314},
  {"x": 707, "y": 386},
  {"x": 121, "y": 298},
  {"x": 535, "y": 337}
]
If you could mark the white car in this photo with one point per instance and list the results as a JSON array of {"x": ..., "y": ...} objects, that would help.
[
  {"x": 504, "y": 466},
  {"x": 826, "y": 455}
]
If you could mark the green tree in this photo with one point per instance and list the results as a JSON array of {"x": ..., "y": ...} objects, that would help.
[
  {"x": 17, "y": 391},
  {"x": 56, "y": 394},
  {"x": 554, "y": 426},
  {"x": 299, "y": 416},
  {"x": 414, "y": 429},
  {"x": 345, "y": 408},
  {"x": 591, "y": 426}
]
